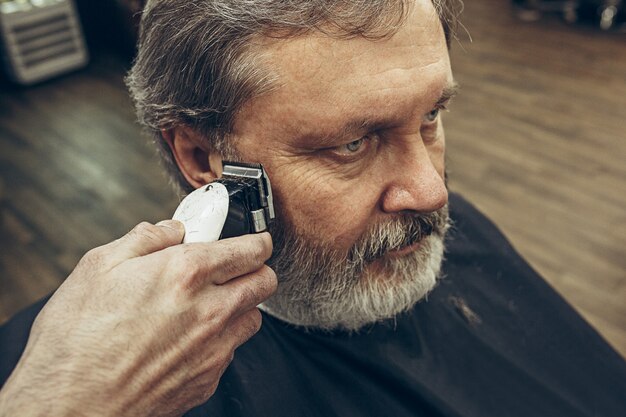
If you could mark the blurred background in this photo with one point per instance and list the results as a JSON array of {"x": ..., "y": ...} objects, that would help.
[{"x": 536, "y": 140}]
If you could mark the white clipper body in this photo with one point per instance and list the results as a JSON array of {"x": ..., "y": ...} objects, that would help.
[
  {"x": 238, "y": 203},
  {"x": 203, "y": 213}
]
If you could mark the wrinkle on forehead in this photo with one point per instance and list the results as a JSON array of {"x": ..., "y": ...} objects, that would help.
[
  {"x": 323, "y": 78},
  {"x": 320, "y": 58}
]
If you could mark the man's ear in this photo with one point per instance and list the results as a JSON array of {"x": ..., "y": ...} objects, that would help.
[{"x": 197, "y": 161}]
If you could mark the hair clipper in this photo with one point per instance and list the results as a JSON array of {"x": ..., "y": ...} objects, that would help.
[{"x": 238, "y": 203}]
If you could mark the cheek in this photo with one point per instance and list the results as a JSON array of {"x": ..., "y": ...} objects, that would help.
[{"x": 323, "y": 208}]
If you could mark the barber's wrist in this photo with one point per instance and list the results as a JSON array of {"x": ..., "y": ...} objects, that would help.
[
  {"x": 26, "y": 397},
  {"x": 17, "y": 400}
]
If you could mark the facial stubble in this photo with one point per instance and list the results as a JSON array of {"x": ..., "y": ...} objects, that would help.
[{"x": 324, "y": 287}]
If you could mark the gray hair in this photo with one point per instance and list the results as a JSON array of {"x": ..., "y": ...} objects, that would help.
[{"x": 196, "y": 65}]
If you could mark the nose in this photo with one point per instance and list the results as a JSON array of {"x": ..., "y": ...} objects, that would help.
[{"x": 416, "y": 184}]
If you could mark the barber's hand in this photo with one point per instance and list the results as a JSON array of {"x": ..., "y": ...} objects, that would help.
[{"x": 143, "y": 326}]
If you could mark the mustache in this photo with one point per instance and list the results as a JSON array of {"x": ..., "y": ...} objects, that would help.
[{"x": 398, "y": 233}]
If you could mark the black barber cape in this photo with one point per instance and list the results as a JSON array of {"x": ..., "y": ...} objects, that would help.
[{"x": 493, "y": 339}]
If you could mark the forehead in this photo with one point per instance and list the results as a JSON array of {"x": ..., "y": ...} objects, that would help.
[{"x": 322, "y": 81}]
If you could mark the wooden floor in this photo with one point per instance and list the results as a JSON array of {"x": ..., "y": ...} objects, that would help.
[{"x": 536, "y": 140}]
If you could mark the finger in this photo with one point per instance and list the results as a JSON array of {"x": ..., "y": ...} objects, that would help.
[
  {"x": 241, "y": 328},
  {"x": 143, "y": 239},
  {"x": 197, "y": 265},
  {"x": 246, "y": 292},
  {"x": 146, "y": 238}
]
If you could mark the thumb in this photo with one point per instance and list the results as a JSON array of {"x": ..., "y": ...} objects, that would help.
[{"x": 145, "y": 238}]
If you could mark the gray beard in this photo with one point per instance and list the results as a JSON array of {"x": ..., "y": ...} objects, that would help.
[{"x": 322, "y": 287}]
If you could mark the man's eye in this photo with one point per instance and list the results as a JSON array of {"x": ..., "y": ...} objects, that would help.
[
  {"x": 432, "y": 116},
  {"x": 354, "y": 146},
  {"x": 357, "y": 148}
]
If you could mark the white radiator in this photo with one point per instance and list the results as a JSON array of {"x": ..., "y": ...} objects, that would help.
[{"x": 41, "y": 39}]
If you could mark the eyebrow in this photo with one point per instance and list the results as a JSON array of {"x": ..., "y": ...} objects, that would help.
[
  {"x": 369, "y": 125},
  {"x": 448, "y": 93}
]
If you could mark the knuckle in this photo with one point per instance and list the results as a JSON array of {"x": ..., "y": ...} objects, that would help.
[
  {"x": 256, "y": 320},
  {"x": 93, "y": 259},
  {"x": 253, "y": 251},
  {"x": 147, "y": 231},
  {"x": 215, "y": 317},
  {"x": 223, "y": 362},
  {"x": 140, "y": 228},
  {"x": 209, "y": 378},
  {"x": 261, "y": 285},
  {"x": 245, "y": 294},
  {"x": 256, "y": 288},
  {"x": 223, "y": 359},
  {"x": 211, "y": 389},
  {"x": 231, "y": 261},
  {"x": 228, "y": 358},
  {"x": 187, "y": 273},
  {"x": 251, "y": 323}
]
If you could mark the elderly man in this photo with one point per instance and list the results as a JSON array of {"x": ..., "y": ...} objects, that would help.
[{"x": 341, "y": 102}]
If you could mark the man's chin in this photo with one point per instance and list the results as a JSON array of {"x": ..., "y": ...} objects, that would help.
[
  {"x": 388, "y": 287},
  {"x": 389, "y": 266}
]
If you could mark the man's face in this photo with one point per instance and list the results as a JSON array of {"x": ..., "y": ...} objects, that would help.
[{"x": 353, "y": 143}]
